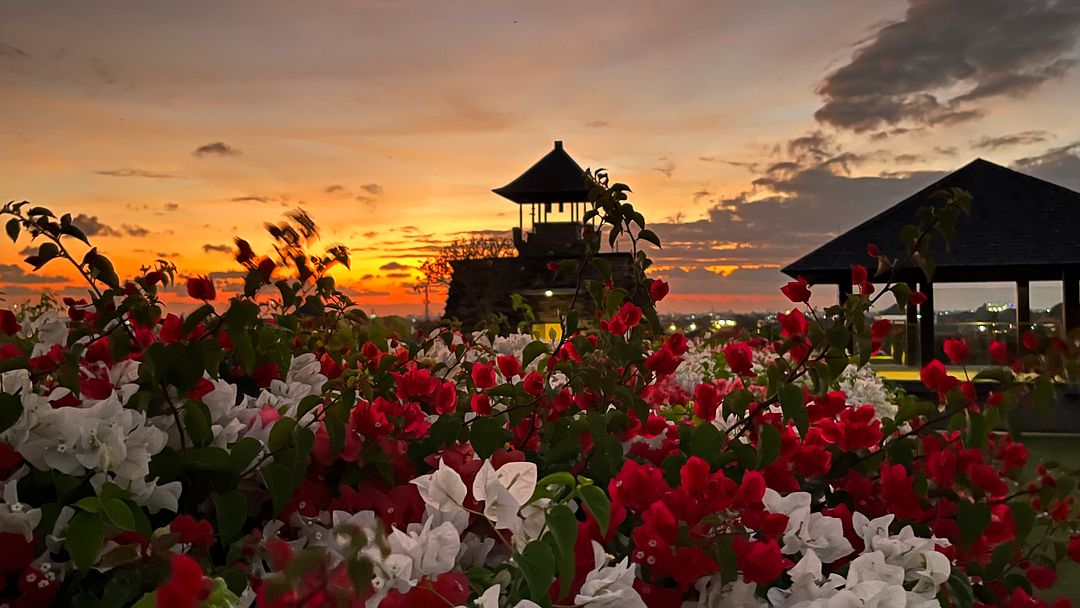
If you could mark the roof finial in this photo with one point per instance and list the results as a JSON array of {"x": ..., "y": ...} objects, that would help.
[{"x": 558, "y": 144}]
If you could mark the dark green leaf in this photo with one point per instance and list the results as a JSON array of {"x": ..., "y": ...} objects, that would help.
[
  {"x": 768, "y": 445},
  {"x": 280, "y": 481},
  {"x": 11, "y": 410},
  {"x": 487, "y": 434},
  {"x": 231, "y": 511},
  {"x": 83, "y": 539},
  {"x": 537, "y": 565},
  {"x": 119, "y": 513},
  {"x": 973, "y": 519},
  {"x": 791, "y": 402},
  {"x": 596, "y": 501},
  {"x": 564, "y": 528}
]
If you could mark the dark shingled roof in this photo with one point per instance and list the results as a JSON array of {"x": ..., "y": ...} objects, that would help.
[
  {"x": 556, "y": 178},
  {"x": 1020, "y": 228}
]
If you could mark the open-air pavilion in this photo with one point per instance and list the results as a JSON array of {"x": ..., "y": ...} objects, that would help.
[{"x": 1021, "y": 229}]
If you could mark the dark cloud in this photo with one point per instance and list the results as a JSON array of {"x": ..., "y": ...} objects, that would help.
[
  {"x": 217, "y": 148},
  {"x": 372, "y": 189},
  {"x": 135, "y": 231},
  {"x": 990, "y": 48},
  {"x": 668, "y": 169},
  {"x": 1006, "y": 141},
  {"x": 208, "y": 247},
  {"x": 393, "y": 266},
  {"x": 252, "y": 199},
  {"x": 793, "y": 207},
  {"x": 15, "y": 275},
  {"x": 334, "y": 188},
  {"x": 92, "y": 226},
  {"x": 700, "y": 194},
  {"x": 1059, "y": 165},
  {"x": 353, "y": 292},
  {"x": 597, "y": 124},
  {"x": 172, "y": 206},
  {"x": 946, "y": 150},
  {"x": 398, "y": 275},
  {"x": 6, "y": 50},
  {"x": 136, "y": 173}
]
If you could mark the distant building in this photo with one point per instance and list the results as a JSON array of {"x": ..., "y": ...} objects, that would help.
[{"x": 556, "y": 192}]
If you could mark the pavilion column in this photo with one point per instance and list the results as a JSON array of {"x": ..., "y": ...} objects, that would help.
[
  {"x": 911, "y": 329},
  {"x": 1070, "y": 300},
  {"x": 843, "y": 291},
  {"x": 1023, "y": 311},
  {"x": 927, "y": 349}
]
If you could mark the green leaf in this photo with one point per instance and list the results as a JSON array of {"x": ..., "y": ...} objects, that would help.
[
  {"x": 960, "y": 589},
  {"x": 83, "y": 538},
  {"x": 197, "y": 423},
  {"x": 281, "y": 434},
  {"x": 532, "y": 351},
  {"x": 564, "y": 529},
  {"x": 487, "y": 434},
  {"x": 706, "y": 441},
  {"x": 210, "y": 458},
  {"x": 596, "y": 501},
  {"x": 231, "y": 511},
  {"x": 768, "y": 445},
  {"x": 90, "y": 504},
  {"x": 650, "y": 236},
  {"x": 11, "y": 410},
  {"x": 119, "y": 513},
  {"x": 13, "y": 227},
  {"x": 973, "y": 519},
  {"x": 791, "y": 402},
  {"x": 537, "y": 565},
  {"x": 281, "y": 482},
  {"x": 243, "y": 452}
]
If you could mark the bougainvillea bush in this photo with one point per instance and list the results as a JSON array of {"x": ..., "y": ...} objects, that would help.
[{"x": 279, "y": 449}]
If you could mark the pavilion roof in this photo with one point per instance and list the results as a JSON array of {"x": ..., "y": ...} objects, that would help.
[
  {"x": 555, "y": 178},
  {"x": 1020, "y": 228}
]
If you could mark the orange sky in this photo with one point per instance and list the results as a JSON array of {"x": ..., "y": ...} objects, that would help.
[{"x": 749, "y": 132}]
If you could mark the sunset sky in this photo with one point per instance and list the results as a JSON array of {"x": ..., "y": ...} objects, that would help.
[{"x": 749, "y": 131}]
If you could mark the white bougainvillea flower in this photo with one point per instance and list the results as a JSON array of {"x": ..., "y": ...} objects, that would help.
[
  {"x": 609, "y": 586},
  {"x": 935, "y": 572},
  {"x": 433, "y": 551},
  {"x": 17, "y": 517},
  {"x": 519, "y": 479},
  {"x": 806, "y": 531},
  {"x": 442, "y": 489},
  {"x": 873, "y": 567}
]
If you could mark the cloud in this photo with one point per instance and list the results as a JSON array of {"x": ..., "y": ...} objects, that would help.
[
  {"x": 92, "y": 226},
  {"x": 251, "y": 199},
  {"x": 1060, "y": 165},
  {"x": 398, "y": 275},
  {"x": 797, "y": 204},
  {"x": 172, "y": 206},
  {"x": 372, "y": 189},
  {"x": 1015, "y": 139},
  {"x": 15, "y": 275},
  {"x": 136, "y": 173},
  {"x": 333, "y": 188},
  {"x": 135, "y": 231},
  {"x": 208, "y": 247},
  {"x": 668, "y": 169},
  {"x": 217, "y": 148},
  {"x": 597, "y": 124},
  {"x": 393, "y": 266},
  {"x": 6, "y": 50},
  {"x": 908, "y": 70}
]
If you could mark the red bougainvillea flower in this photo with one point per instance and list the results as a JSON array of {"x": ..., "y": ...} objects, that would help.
[
  {"x": 1074, "y": 549},
  {"x": 917, "y": 298},
  {"x": 999, "y": 352},
  {"x": 201, "y": 288},
  {"x": 553, "y": 266},
  {"x": 936, "y": 377},
  {"x": 627, "y": 317},
  {"x": 957, "y": 351},
  {"x": 658, "y": 290},
  {"x": 186, "y": 586},
  {"x": 706, "y": 401},
  {"x": 760, "y": 561},
  {"x": 446, "y": 398},
  {"x": 1041, "y": 576},
  {"x": 483, "y": 375},
  {"x": 740, "y": 358},
  {"x": 880, "y": 329},
  {"x": 872, "y": 250},
  {"x": 1030, "y": 340},
  {"x": 509, "y": 365},
  {"x": 8, "y": 324},
  {"x": 798, "y": 291},
  {"x": 192, "y": 531},
  {"x": 793, "y": 324}
]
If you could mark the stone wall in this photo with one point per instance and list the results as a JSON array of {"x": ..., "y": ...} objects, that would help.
[{"x": 483, "y": 288}]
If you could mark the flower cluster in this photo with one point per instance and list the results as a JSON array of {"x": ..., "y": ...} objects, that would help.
[{"x": 292, "y": 453}]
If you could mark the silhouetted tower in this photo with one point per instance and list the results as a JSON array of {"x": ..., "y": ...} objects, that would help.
[{"x": 556, "y": 191}]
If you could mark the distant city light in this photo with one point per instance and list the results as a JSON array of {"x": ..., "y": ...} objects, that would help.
[
  {"x": 673, "y": 327},
  {"x": 982, "y": 328},
  {"x": 692, "y": 327},
  {"x": 720, "y": 323},
  {"x": 548, "y": 293}
]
